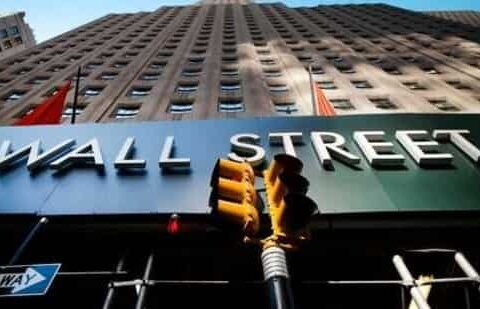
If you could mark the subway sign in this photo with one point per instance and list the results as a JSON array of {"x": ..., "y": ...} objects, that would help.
[{"x": 356, "y": 164}]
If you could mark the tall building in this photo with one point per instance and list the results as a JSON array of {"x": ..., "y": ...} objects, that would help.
[
  {"x": 471, "y": 18},
  {"x": 126, "y": 210},
  {"x": 241, "y": 60},
  {"x": 15, "y": 34}
]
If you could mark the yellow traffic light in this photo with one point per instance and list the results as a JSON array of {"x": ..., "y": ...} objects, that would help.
[
  {"x": 233, "y": 196},
  {"x": 290, "y": 209}
]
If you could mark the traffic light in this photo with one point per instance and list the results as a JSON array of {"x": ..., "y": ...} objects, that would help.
[
  {"x": 233, "y": 195},
  {"x": 290, "y": 209}
]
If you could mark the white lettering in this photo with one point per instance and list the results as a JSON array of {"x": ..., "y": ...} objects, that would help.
[
  {"x": 329, "y": 143},
  {"x": 456, "y": 137},
  {"x": 35, "y": 159},
  {"x": 166, "y": 161},
  {"x": 88, "y": 153},
  {"x": 377, "y": 151},
  {"x": 417, "y": 145},
  {"x": 245, "y": 149},
  {"x": 124, "y": 161},
  {"x": 287, "y": 140}
]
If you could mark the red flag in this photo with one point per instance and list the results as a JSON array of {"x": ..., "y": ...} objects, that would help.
[
  {"x": 49, "y": 111},
  {"x": 325, "y": 108}
]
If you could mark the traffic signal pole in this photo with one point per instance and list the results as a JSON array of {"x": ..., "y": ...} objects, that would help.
[
  {"x": 234, "y": 199},
  {"x": 275, "y": 270}
]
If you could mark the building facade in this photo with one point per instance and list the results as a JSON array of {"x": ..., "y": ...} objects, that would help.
[
  {"x": 123, "y": 200},
  {"x": 242, "y": 60},
  {"x": 15, "y": 34}
]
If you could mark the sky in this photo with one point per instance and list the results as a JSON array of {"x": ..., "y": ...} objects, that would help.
[{"x": 53, "y": 17}]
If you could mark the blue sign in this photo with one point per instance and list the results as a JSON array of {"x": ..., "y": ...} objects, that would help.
[{"x": 26, "y": 280}]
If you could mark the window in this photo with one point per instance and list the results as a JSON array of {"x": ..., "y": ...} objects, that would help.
[
  {"x": 126, "y": 112},
  {"x": 57, "y": 68},
  {"x": 180, "y": 107},
  {"x": 14, "y": 95},
  {"x": 286, "y": 107},
  {"x": 23, "y": 71},
  {"x": 278, "y": 89},
  {"x": 267, "y": 61},
  {"x": 458, "y": 85},
  {"x": 186, "y": 88},
  {"x": 413, "y": 85},
  {"x": 230, "y": 86},
  {"x": 231, "y": 106},
  {"x": 150, "y": 76},
  {"x": 93, "y": 65},
  {"x": 230, "y": 72},
  {"x": 13, "y": 31},
  {"x": 270, "y": 73},
  {"x": 317, "y": 70},
  {"x": 92, "y": 91},
  {"x": 361, "y": 84},
  {"x": 18, "y": 40},
  {"x": 430, "y": 70},
  {"x": 7, "y": 44},
  {"x": 120, "y": 64},
  {"x": 229, "y": 59},
  {"x": 38, "y": 80},
  {"x": 196, "y": 60},
  {"x": 139, "y": 92},
  {"x": 443, "y": 105},
  {"x": 157, "y": 65},
  {"x": 392, "y": 70},
  {"x": 342, "y": 104},
  {"x": 68, "y": 112},
  {"x": 108, "y": 75},
  {"x": 345, "y": 68},
  {"x": 3, "y": 82},
  {"x": 383, "y": 103},
  {"x": 3, "y": 33},
  {"x": 191, "y": 72},
  {"x": 326, "y": 84}
]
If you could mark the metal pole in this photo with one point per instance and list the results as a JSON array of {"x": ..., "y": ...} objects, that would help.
[
  {"x": 75, "y": 98},
  {"x": 312, "y": 89},
  {"x": 276, "y": 275},
  {"x": 403, "y": 298},
  {"x": 467, "y": 268},
  {"x": 408, "y": 279},
  {"x": 27, "y": 240},
  {"x": 143, "y": 289},
  {"x": 111, "y": 287}
]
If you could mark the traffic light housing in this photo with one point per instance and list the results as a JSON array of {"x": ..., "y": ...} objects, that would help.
[
  {"x": 233, "y": 197},
  {"x": 289, "y": 207}
]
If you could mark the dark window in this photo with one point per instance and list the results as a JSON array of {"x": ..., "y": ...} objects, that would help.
[
  {"x": 92, "y": 91},
  {"x": 361, "y": 84},
  {"x": 38, "y": 80},
  {"x": 342, "y": 104},
  {"x": 150, "y": 76},
  {"x": 14, "y": 95},
  {"x": 126, "y": 112},
  {"x": 286, "y": 107},
  {"x": 443, "y": 105},
  {"x": 13, "y": 30},
  {"x": 231, "y": 106},
  {"x": 413, "y": 85},
  {"x": 326, "y": 84},
  {"x": 180, "y": 107},
  {"x": 68, "y": 112},
  {"x": 383, "y": 103},
  {"x": 136, "y": 92},
  {"x": 108, "y": 75}
]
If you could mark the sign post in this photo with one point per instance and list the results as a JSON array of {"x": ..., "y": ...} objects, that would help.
[{"x": 27, "y": 280}]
